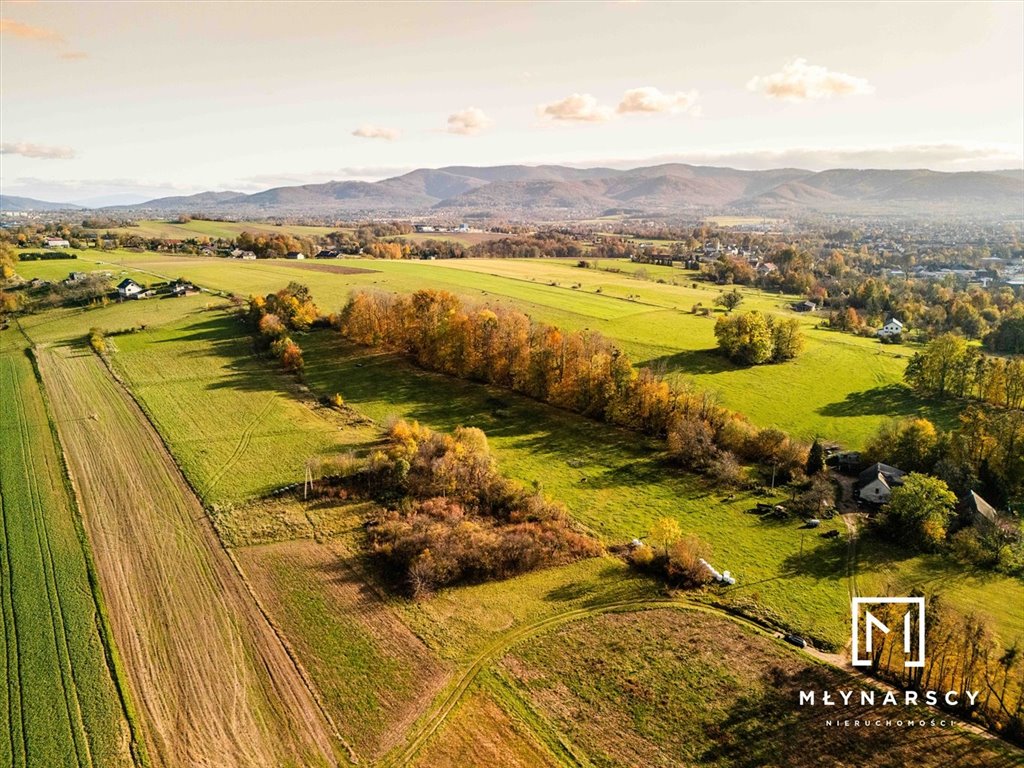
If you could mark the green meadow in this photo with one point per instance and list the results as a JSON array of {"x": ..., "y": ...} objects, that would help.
[
  {"x": 239, "y": 428},
  {"x": 841, "y": 388}
]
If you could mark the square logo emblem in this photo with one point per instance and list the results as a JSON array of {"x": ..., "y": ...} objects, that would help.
[{"x": 903, "y": 615}]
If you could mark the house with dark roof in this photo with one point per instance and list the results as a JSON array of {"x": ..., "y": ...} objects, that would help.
[
  {"x": 874, "y": 485},
  {"x": 128, "y": 289}
]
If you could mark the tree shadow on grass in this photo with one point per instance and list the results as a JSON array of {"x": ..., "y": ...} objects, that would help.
[
  {"x": 894, "y": 400},
  {"x": 691, "y": 361}
]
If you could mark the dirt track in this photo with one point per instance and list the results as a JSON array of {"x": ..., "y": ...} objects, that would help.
[{"x": 213, "y": 682}]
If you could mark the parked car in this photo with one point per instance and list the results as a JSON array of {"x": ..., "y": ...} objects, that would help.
[{"x": 796, "y": 640}]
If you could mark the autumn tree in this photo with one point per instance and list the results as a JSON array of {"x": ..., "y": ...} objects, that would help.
[{"x": 665, "y": 532}]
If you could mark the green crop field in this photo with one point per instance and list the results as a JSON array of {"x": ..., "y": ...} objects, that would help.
[{"x": 59, "y": 703}]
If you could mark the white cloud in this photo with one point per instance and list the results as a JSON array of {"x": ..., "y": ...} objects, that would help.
[
  {"x": 578, "y": 108},
  {"x": 468, "y": 122},
  {"x": 376, "y": 132},
  {"x": 27, "y": 149},
  {"x": 650, "y": 99},
  {"x": 800, "y": 81}
]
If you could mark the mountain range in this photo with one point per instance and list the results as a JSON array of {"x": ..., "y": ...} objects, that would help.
[{"x": 560, "y": 192}]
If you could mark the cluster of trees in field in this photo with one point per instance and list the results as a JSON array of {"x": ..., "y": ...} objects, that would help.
[
  {"x": 985, "y": 454},
  {"x": 964, "y": 654},
  {"x": 581, "y": 371},
  {"x": 450, "y": 517},
  {"x": 950, "y": 367},
  {"x": 755, "y": 338},
  {"x": 672, "y": 555},
  {"x": 276, "y": 316}
]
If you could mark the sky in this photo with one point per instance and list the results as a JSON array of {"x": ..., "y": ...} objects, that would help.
[{"x": 119, "y": 101}]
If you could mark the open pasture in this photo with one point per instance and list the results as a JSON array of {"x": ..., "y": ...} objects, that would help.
[
  {"x": 671, "y": 687},
  {"x": 841, "y": 388},
  {"x": 373, "y": 674},
  {"x": 59, "y": 698}
]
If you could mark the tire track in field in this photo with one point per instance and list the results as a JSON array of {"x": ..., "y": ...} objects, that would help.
[
  {"x": 69, "y": 688},
  {"x": 241, "y": 447},
  {"x": 449, "y": 699}
]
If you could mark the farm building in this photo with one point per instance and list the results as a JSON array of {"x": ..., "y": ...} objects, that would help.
[
  {"x": 56, "y": 242},
  {"x": 294, "y": 255},
  {"x": 805, "y": 306},
  {"x": 129, "y": 289},
  {"x": 892, "y": 327},
  {"x": 975, "y": 511},
  {"x": 183, "y": 289},
  {"x": 875, "y": 484},
  {"x": 327, "y": 254}
]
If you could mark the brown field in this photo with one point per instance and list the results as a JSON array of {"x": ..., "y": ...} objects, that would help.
[
  {"x": 374, "y": 675},
  {"x": 214, "y": 684},
  {"x": 465, "y": 238},
  {"x": 335, "y": 269},
  {"x": 482, "y": 735}
]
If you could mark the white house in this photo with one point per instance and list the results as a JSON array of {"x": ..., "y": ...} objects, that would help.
[
  {"x": 56, "y": 242},
  {"x": 892, "y": 327},
  {"x": 128, "y": 289},
  {"x": 875, "y": 484}
]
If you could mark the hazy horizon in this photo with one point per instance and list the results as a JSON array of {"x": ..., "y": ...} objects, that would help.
[{"x": 368, "y": 91}]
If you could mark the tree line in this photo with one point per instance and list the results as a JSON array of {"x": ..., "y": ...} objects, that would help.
[
  {"x": 580, "y": 371},
  {"x": 950, "y": 367},
  {"x": 964, "y": 654}
]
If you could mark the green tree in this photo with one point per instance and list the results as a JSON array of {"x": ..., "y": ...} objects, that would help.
[
  {"x": 746, "y": 338},
  {"x": 730, "y": 300},
  {"x": 920, "y": 511},
  {"x": 815, "y": 459},
  {"x": 787, "y": 338}
]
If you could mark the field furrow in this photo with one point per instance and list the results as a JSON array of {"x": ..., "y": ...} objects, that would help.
[{"x": 214, "y": 682}]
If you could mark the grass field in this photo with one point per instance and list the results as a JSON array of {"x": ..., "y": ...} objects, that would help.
[
  {"x": 213, "y": 682},
  {"x": 677, "y": 687},
  {"x": 59, "y": 701},
  {"x": 239, "y": 428},
  {"x": 200, "y": 229},
  {"x": 373, "y": 674},
  {"x": 841, "y": 388}
]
